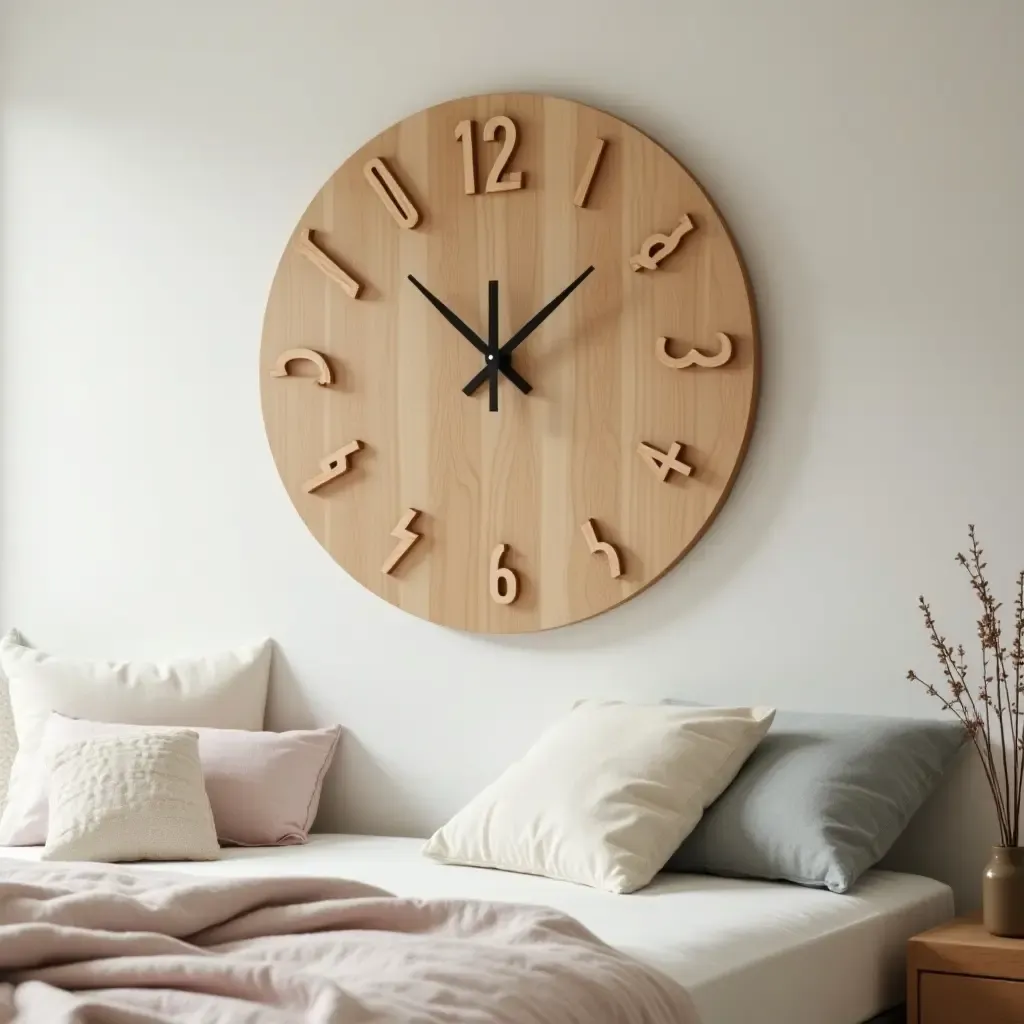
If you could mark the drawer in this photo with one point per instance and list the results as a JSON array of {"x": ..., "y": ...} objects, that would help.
[{"x": 963, "y": 999}]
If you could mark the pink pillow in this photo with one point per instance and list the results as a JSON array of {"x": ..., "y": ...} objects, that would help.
[{"x": 264, "y": 787}]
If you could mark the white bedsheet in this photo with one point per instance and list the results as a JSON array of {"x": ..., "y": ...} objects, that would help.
[{"x": 747, "y": 951}]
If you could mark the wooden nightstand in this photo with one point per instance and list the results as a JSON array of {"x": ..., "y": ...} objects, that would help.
[{"x": 959, "y": 974}]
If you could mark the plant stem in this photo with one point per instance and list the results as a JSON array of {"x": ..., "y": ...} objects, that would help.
[{"x": 1018, "y": 761}]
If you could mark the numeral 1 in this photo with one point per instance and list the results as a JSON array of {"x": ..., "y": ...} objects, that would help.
[
  {"x": 464, "y": 134},
  {"x": 345, "y": 281},
  {"x": 583, "y": 189}
]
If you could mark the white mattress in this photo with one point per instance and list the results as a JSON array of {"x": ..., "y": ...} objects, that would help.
[{"x": 746, "y": 951}]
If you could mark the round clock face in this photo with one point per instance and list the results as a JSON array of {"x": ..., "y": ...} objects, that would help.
[{"x": 509, "y": 363}]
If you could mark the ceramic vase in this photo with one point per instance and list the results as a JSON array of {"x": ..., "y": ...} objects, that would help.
[{"x": 1002, "y": 892}]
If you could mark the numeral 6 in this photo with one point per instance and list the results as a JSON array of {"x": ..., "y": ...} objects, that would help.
[{"x": 501, "y": 575}]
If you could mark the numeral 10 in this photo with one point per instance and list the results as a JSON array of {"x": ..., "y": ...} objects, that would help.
[{"x": 495, "y": 182}]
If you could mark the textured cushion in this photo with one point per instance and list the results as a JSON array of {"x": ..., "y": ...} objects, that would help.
[
  {"x": 264, "y": 787},
  {"x": 137, "y": 797},
  {"x": 822, "y": 799},
  {"x": 605, "y": 795},
  {"x": 225, "y": 691}
]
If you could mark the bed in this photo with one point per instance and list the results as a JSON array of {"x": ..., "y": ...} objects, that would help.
[{"x": 745, "y": 950}]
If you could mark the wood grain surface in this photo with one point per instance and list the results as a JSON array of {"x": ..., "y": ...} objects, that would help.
[
  {"x": 957, "y": 973},
  {"x": 528, "y": 475}
]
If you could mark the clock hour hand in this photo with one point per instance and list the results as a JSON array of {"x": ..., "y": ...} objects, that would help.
[
  {"x": 525, "y": 331},
  {"x": 472, "y": 337}
]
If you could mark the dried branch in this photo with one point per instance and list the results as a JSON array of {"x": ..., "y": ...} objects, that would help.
[
  {"x": 974, "y": 728},
  {"x": 1002, "y": 669}
]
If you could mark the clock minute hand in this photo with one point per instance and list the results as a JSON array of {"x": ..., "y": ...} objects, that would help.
[
  {"x": 526, "y": 330},
  {"x": 463, "y": 328},
  {"x": 472, "y": 337}
]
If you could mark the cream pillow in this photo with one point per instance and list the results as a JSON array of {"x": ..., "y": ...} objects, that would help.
[
  {"x": 221, "y": 691},
  {"x": 606, "y": 795},
  {"x": 130, "y": 797}
]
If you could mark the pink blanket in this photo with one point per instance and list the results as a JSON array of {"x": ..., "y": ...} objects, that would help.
[{"x": 92, "y": 944}]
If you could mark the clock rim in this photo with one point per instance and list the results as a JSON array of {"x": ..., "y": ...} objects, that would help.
[{"x": 755, "y": 371}]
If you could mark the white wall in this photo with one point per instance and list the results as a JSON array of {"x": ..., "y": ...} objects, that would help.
[{"x": 870, "y": 159}]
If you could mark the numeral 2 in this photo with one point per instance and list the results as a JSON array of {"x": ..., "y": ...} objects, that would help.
[{"x": 495, "y": 183}]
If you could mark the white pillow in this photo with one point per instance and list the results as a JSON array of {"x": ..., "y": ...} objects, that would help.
[
  {"x": 8, "y": 741},
  {"x": 606, "y": 795},
  {"x": 130, "y": 797},
  {"x": 223, "y": 691}
]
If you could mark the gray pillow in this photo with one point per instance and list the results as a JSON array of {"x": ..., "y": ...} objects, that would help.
[{"x": 821, "y": 799}]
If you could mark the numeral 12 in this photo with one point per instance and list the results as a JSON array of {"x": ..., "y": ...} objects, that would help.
[{"x": 495, "y": 182}]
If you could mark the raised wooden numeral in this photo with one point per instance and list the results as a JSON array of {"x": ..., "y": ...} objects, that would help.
[
  {"x": 515, "y": 178},
  {"x": 348, "y": 284},
  {"x": 392, "y": 195},
  {"x": 695, "y": 357},
  {"x": 657, "y": 246},
  {"x": 663, "y": 463},
  {"x": 464, "y": 134},
  {"x": 406, "y": 538},
  {"x": 603, "y": 547},
  {"x": 324, "y": 375},
  {"x": 332, "y": 466},
  {"x": 495, "y": 182},
  {"x": 499, "y": 576},
  {"x": 583, "y": 189}
]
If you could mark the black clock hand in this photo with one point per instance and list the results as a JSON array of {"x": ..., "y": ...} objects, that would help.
[
  {"x": 473, "y": 338},
  {"x": 493, "y": 363},
  {"x": 524, "y": 332},
  {"x": 464, "y": 329}
]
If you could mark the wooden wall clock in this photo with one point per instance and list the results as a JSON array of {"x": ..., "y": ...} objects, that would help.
[{"x": 509, "y": 363}]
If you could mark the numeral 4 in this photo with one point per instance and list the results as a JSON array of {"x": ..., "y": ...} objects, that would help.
[{"x": 663, "y": 463}]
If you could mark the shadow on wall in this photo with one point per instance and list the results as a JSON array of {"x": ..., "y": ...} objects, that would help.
[
  {"x": 288, "y": 707},
  {"x": 949, "y": 838}
]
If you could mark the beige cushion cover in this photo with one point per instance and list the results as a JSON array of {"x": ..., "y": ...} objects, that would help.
[
  {"x": 123, "y": 798},
  {"x": 606, "y": 795},
  {"x": 223, "y": 691}
]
